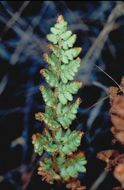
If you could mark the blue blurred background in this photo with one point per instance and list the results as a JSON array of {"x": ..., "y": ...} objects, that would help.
[{"x": 99, "y": 26}]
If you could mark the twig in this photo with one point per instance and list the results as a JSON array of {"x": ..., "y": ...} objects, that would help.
[
  {"x": 15, "y": 17},
  {"x": 96, "y": 48},
  {"x": 99, "y": 180}
]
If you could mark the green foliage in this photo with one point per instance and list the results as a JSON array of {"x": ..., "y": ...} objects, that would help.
[
  {"x": 72, "y": 165},
  {"x": 69, "y": 42},
  {"x": 68, "y": 71},
  {"x": 66, "y": 91},
  {"x": 66, "y": 114},
  {"x": 57, "y": 139},
  {"x": 52, "y": 38},
  {"x": 52, "y": 60},
  {"x": 70, "y": 54},
  {"x": 50, "y": 77},
  {"x": 71, "y": 87},
  {"x": 66, "y": 35},
  {"x": 39, "y": 141},
  {"x": 58, "y": 135},
  {"x": 44, "y": 142},
  {"x": 48, "y": 118},
  {"x": 70, "y": 141},
  {"x": 47, "y": 164},
  {"x": 46, "y": 169},
  {"x": 48, "y": 95}
]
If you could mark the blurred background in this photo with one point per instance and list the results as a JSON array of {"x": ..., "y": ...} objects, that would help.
[{"x": 99, "y": 26}]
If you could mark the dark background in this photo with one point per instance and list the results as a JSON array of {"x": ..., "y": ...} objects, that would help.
[{"x": 23, "y": 27}]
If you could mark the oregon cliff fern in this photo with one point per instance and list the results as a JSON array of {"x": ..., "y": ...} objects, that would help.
[{"x": 64, "y": 161}]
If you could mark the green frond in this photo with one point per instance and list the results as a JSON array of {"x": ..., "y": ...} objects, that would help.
[
  {"x": 67, "y": 114},
  {"x": 66, "y": 91},
  {"x": 46, "y": 170},
  {"x": 52, "y": 38},
  {"x": 58, "y": 135},
  {"x": 70, "y": 141},
  {"x": 61, "y": 24},
  {"x": 66, "y": 35},
  {"x": 50, "y": 77},
  {"x": 73, "y": 166},
  {"x": 39, "y": 141},
  {"x": 70, "y": 54},
  {"x": 49, "y": 119},
  {"x": 48, "y": 95},
  {"x": 57, "y": 138},
  {"x": 68, "y": 71},
  {"x": 52, "y": 59},
  {"x": 69, "y": 42},
  {"x": 51, "y": 147}
]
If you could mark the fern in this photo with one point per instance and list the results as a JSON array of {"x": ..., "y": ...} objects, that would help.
[{"x": 57, "y": 138}]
